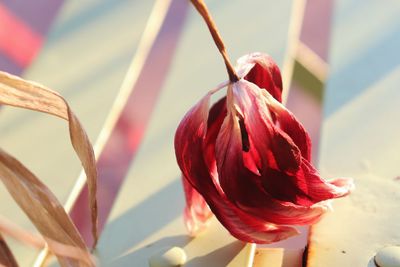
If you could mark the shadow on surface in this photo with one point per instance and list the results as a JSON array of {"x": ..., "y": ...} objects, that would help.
[
  {"x": 368, "y": 67},
  {"x": 145, "y": 252},
  {"x": 223, "y": 254},
  {"x": 143, "y": 220}
]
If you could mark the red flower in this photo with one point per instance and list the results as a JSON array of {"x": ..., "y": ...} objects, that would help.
[{"x": 248, "y": 158}]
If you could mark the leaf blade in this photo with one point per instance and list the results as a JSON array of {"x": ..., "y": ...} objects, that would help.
[
  {"x": 17, "y": 92},
  {"x": 42, "y": 208}
]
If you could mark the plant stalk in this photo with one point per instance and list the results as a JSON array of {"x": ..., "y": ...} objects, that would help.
[{"x": 203, "y": 11}]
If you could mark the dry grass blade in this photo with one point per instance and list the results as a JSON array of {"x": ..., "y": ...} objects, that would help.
[
  {"x": 14, "y": 231},
  {"x": 8, "y": 228},
  {"x": 25, "y": 94},
  {"x": 43, "y": 209},
  {"x": 6, "y": 257}
]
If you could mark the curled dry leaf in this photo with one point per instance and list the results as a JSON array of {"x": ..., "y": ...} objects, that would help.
[
  {"x": 43, "y": 209},
  {"x": 6, "y": 257},
  {"x": 8, "y": 228},
  {"x": 29, "y": 95},
  {"x": 34, "y": 198},
  {"x": 12, "y": 230}
]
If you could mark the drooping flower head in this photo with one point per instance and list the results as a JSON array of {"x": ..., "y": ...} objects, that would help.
[{"x": 247, "y": 160}]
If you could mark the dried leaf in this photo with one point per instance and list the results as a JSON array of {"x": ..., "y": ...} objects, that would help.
[
  {"x": 43, "y": 209},
  {"x": 29, "y": 95},
  {"x": 6, "y": 256},
  {"x": 10, "y": 229},
  {"x": 14, "y": 231}
]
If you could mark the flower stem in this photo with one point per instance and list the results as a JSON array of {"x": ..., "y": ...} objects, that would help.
[{"x": 203, "y": 11}]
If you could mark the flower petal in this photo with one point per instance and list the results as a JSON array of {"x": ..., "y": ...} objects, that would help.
[
  {"x": 290, "y": 125},
  {"x": 287, "y": 187},
  {"x": 306, "y": 187},
  {"x": 320, "y": 190},
  {"x": 216, "y": 117},
  {"x": 261, "y": 70},
  {"x": 248, "y": 228},
  {"x": 189, "y": 152},
  {"x": 245, "y": 189},
  {"x": 285, "y": 154},
  {"x": 191, "y": 131},
  {"x": 197, "y": 214},
  {"x": 228, "y": 150}
]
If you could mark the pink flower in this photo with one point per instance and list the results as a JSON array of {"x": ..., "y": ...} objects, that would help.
[{"x": 248, "y": 158}]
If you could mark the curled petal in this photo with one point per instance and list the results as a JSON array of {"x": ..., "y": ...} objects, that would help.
[
  {"x": 228, "y": 152},
  {"x": 257, "y": 119},
  {"x": 287, "y": 213},
  {"x": 306, "y": 187},
  {"x": 197, "y": 214},
  {"x": 286, "y": 187},
  {"x": 189, "y": 135},
  {"x": 261, "y": 69},
  {"x": 245, "y": 189},
  {"x": 286, "y": 153},
  {"x": 249, "y": 228},
  {"x": 189, "y": 152},
  {"x": 251, "y": 158},
  {"x": 320, "y": 190},
  {"x": 191, "y": 131},
  {"x": 216, "y": 117},
  {"x": 290, "y": 125}
]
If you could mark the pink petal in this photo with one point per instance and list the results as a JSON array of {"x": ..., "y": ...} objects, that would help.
[
  {"x": 287, "y": 187},
  {"x": 320, "y": 189},
  {"x": 306, "y": 187},
  {"x": 216, "y": 117},
  {"x": 189, "y": 152},
  {"x": 197, "y": 214},
  {"x": 248, "y": 228},
  {"x": 262, "y": 70},
  {"x": 291, "y": 126},
  {"x": 228, "y": 150},
  {"x": 251, "y": 158},
  {"x": 245, "y": 189},
  {"x": 257, "y": 119},
  {"x": 191, "y": 131}
]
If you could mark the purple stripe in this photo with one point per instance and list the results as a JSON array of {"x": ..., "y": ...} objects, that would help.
[
  {"x": 38, "y": 13},
  {"x": 120, "y": 149},
  {"x": 317, "y": 26},
  {"x": 8, "y": 65}
]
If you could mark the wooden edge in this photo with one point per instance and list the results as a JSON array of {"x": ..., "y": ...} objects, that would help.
[{"x": 245, "y": 257}]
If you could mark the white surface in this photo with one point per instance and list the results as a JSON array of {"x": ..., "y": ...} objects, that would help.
[
  {"x": 361, "y": 141},
  {"x": 360, "y": 136},
  {"x": 148, "y": 212},
  {"x": 388, "y": 257}
]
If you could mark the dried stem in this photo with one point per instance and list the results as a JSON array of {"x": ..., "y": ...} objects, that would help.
[{"x": 203, "y": 10}]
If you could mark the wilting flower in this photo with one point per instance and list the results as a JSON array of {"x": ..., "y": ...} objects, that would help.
[{"x": 248, "y": 158}]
